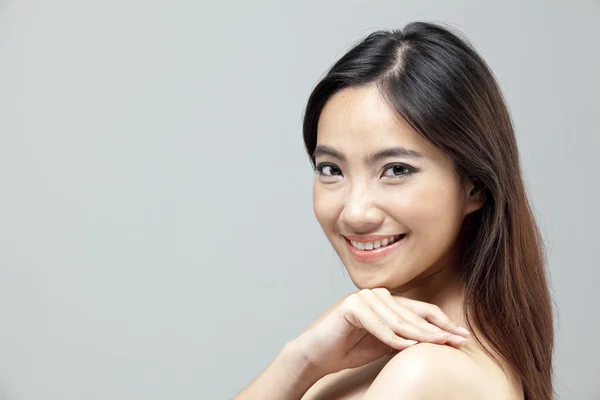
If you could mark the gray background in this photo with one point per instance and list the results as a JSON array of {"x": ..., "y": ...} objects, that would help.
[{"x": 157, "y": 239}]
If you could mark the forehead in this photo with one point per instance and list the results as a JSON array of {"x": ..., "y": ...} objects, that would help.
[{"x": 359, "y": 119}]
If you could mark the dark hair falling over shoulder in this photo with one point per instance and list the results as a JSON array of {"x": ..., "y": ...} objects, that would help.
[{"x": 439, "y": 84}]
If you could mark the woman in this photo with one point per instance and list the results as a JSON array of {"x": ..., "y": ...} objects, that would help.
[{"x": 419, "y": 190}]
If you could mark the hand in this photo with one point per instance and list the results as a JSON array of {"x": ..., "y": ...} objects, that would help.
[{"x": 371, "y": 323}]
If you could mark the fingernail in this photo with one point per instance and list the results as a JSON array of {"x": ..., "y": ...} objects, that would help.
[
  {"x": 461, "y": 340},
  {"x": 464, "y": 331},
  {"x": 411, "y": 342}
]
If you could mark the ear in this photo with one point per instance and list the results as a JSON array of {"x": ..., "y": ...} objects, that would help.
[{"x": 474, "y": 197}]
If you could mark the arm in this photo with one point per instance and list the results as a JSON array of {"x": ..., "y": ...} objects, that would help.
[
  {"x": 351, "y": 335},
  {"x": 287, "y": 378}
]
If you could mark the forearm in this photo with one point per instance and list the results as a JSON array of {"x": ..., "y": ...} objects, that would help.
[{"x": 287, "y": 378}]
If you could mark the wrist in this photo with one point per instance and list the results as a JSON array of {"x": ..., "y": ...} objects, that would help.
[
  {"x": 300, "y": 369},
  {"x": 288, "y": 377}
]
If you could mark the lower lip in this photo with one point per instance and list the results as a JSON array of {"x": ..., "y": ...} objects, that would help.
[{"x": 371, "y": 256}]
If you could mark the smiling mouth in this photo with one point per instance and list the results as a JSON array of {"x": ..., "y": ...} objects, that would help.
[
  {"x": 375, "y": 251},
  {"x": 378, "y": 244}
]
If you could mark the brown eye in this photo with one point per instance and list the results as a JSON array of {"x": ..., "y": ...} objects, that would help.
[
  {"x": 326, "y": 169},
  {"x": 398, "y": 171}
]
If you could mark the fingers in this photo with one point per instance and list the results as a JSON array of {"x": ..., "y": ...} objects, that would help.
[
  {"x": 399, "y": 322},
  {"x": 359, "y": 314},
  {"x": 433, "y": 314},
  {"x": 406, "y": 313},
  {"x": 402, "y": 321},
  {"x": 455, "y": 337}
]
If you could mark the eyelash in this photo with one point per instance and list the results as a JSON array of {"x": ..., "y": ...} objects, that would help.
[
  {"x": 321, "y": 166},
  {"x": 410, "y": 170}
]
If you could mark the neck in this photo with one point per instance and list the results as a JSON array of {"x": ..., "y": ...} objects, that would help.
[{"x": 439, "y": 285}]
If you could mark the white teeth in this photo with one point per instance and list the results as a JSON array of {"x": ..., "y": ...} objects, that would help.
[{"x": 375, "y": 245}]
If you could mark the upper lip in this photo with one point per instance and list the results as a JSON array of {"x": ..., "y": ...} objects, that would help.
[{"x": 369, "y": 238}]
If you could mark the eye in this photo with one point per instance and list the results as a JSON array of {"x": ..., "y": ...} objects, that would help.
[
  {"x": 328, "y": 170},
  {"x": 397, "y": 171}
]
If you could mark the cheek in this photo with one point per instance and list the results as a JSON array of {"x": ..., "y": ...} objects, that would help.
[
  {"x": 325, "y": 205},
  {"x": 432, "y": 210}
]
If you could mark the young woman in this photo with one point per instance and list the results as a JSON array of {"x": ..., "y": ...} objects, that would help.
[{"x": 418, "y": 188}]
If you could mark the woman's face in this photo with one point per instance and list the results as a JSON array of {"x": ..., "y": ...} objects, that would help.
[{"x": 390, "y": 203}]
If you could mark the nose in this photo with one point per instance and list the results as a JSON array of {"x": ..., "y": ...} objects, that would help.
[{"x": 360, "y": 214}]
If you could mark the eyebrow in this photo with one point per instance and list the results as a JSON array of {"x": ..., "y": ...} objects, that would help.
[{"x": 324, "y": 150}]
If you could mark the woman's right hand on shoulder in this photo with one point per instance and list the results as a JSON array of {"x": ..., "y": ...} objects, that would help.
[{"x": 371, "y": 323}]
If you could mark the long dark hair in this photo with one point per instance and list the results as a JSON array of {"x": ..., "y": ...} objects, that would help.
[{"x": 438, "y": 83}]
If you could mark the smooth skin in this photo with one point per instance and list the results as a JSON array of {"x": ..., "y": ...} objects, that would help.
[{"x": 401, "y": 335}]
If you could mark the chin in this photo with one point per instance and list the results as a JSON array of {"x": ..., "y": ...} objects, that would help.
[
  {"x": 394, "y": 274},
  {"x": 365, "y": 277}
]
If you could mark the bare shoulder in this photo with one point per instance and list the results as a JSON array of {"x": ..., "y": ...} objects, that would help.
[{"x": 439, "y": 372}]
